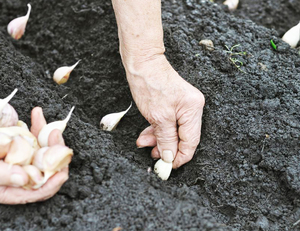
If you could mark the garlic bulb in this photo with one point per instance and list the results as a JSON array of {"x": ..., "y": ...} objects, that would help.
[
  {"x": 16, "y": 27},
  {"x": 35, "y": 176},
  {"x": 163, "y": 169},
  {"x": 61, "y": 75},
  {"x": 48, "y": 128},
  {"x": 110, "y": 121},
  {"x": 55, "y": 159},
  {"x": 5, "y": 142},
  {"x": 38, "y": 156},
  {"x": 20, "y": 152},
  {"x": 292, "y": 36},
  {"x": 8, "y": 115},
  {"x": 232, "y": 4}
]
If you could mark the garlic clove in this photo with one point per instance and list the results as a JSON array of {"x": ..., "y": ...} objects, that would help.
[
  {"x": 24, "y": 133},
  {"x": 292, "y": 36},
  {"x": 20, "y": 152},
  {"x": 110, "y": 121},
  {"x": 35, "y": 176},
  {"x": 163, "y": 169},
  {"x": 48, "y": 128},
  {"x": 38, "y": 156},
  {"x": 232, "y": 4},
  {"x": 8, "y": 115},
  {"x": 16, "y": 27},
  {"x": 61, "y": 75},
  {"x": 5, "y": 142},
  {"x": 22, "y": 124},
  {"x": 55, "y": 159}
]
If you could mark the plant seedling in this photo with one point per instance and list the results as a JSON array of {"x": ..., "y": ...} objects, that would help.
[
  {"x": 273, "y": 45},
  {"x": 236, "y": 62}
]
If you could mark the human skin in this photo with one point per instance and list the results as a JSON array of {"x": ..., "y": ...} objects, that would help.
[
  {"x": 172, "y": 106},
  {"x": 13, "y": 178}
]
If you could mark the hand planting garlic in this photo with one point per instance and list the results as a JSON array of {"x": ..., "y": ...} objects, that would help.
[
  {"x": 110, "y": 121},
  {"x": 163, "y": 169},
  {"x": 62, "y": 74},
  {"x": 8, "y": 115},
  {"x": 292, "y": 36},
  {"x": 48, "y": 128},
  {"x": 232, "y": 4},
  {"x": 16, "y": 27}
]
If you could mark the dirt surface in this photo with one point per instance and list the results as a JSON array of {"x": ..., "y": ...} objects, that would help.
[{"x": 245, "y": 174}]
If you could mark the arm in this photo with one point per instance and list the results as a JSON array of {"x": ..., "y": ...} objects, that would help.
[{"x": 172, "y": 106}]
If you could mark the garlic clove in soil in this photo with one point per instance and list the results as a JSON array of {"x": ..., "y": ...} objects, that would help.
[
  {"x": 232, "y": 4},
  {"x": 163, "y": 169},
  {"x": 8, "y": 115},
  {"x": 38, "y": 156},
  {"x": 110, "y": 121},
  {"x": 16, "y": 27},
  {"x": 48, "y": 128},
  {"x": 35, "y": 176},
  {"x": 5, "y": 142},
  {"x": 292, "y": 36},
  {"x": 62, "y": 74},
  {"x": 20, "y": 152},
  {"x": 55, "y": 159}
]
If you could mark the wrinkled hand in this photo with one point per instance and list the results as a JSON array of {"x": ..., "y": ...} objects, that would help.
[
  {"x": 11, "y": 179},
  {"x": 171, "y": 105}
]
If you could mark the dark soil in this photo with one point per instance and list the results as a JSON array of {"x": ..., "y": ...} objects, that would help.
[{"x": 246, "y": 172}]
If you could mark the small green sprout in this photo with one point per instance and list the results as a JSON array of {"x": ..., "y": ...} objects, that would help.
[
  {"x": 237, "y": 63},
  {"x": 273, "y": 45}
]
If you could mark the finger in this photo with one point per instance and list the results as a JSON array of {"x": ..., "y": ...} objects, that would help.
[
  {"x": 155, "y": 153},
  {"x": 146, "y": 138},
  {"x": 55, "y": 137},
  {"x": 167, "y": 139},
  {"x": 12, "y": 175},
  {"x": 189, "y": 134},
  {"x": 37, "y": 121}
]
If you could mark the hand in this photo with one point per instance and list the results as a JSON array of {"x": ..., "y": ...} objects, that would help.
[
  {"x": 171, "y": 105},
  {"x": 12, "y": 179}
]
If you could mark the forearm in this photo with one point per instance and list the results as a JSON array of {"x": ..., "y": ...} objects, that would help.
[{"x": 140, "y": 30}]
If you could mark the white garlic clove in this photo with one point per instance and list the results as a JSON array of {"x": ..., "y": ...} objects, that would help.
[
  {"x": 8, "y": 115},
  {"x": 16, "y": 27},
  {"x": 232, "y": 4},
  {"x": 38, "y": 156},
  {"x": 20, "y": 152},
  {"x": 208, "y": 44},
  {"x": 22, "y": 124},
  {"x": 24, "y": 133},
  {"x": 55, "y": 159},
  {"x": 48, "y": 128},
  {"x": 110, "y": 121},
  {"x": 292, "y": 36},
  {"x": 35, "y": 176},
  {"x": 5, "y": 142},
  {"x": 163, "y": 169},
  {"x": 62, "y": 74}
]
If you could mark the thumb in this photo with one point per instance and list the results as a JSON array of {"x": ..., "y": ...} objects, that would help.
[
  {"x": 12, "y": 175},
  {"x": 167, "y": 140}
]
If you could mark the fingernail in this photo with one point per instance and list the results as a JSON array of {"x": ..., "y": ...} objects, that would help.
[
  {"x": 167, "y": 156},
  {"x": 17, "y": 180}
]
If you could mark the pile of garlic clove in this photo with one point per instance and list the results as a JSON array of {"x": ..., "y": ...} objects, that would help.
[{"x": 18, "y": 146}]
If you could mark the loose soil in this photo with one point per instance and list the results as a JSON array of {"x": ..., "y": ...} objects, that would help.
[{"x": 245, "y": 174}]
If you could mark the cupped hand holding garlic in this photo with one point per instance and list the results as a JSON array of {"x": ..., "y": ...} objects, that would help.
[
  {"x": 16, "y": 28},
  {"x": 45, "y": 173}
]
